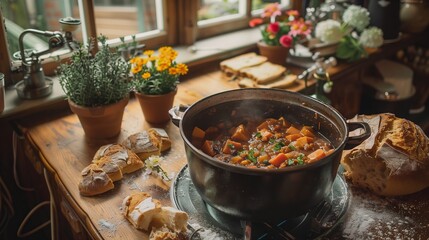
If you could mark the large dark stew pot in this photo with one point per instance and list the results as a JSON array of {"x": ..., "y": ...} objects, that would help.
[{"x": 263, "y": 194}]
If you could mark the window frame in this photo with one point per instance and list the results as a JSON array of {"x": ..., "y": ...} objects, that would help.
[{"x": 180, "y": 28}]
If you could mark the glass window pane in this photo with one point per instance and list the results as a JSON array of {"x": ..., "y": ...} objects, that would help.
[
  {"x": 212, "y": 9},
  {"x": 39, "y": 15},
  {"x": 119, "y": 18}
]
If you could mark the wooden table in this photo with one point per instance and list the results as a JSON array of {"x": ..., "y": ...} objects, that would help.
[{"x": 64, "y": 151}]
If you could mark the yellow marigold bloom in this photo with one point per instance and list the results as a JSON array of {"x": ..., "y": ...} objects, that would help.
[
  {"x": 148, "y": 52},
  {"x": 140, "y": 61},
  {"x": 168, "y": 52},
  {"x": 173, "y": 71},
  {"x": 163, "y": 64},
  {"x": 161, "y": 67},
  {"x": 134, "y": 60},
  {"x": 182, "y": 68},
  {"x": 165, "y": 49},
  {"x": 143, "y": 61},
  {"x": 146, "y": 75},
  {"x": 136, "y": 69},
  {"x": 152, "y": 58}
]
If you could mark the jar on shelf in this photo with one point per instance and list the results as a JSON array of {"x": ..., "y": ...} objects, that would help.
[{"x": 414, "y": 16}]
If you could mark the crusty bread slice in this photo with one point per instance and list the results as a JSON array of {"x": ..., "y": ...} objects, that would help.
[
  {"x": 393, "y": 161},
  {"x": 147, "y": 213},
  {"x": 172, "y": 218},
  {"x": 94, "y": 181},
  {"x": 160, "y": 133},
  {"x": 144, "y": 144},
  {"x": 283, "y": 82},
  {"x": 119, "y": 155},
  {"x": 110, "y": 167},
  {"x": 235, "y": 64},
  {"x": 263, "y": 73},
  {"x": 140, "y": 208}
]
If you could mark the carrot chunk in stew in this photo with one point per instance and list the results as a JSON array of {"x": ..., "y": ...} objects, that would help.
[
  {"x": 293, "y": 137},
  {"x": 240, "y": 134},
  {"x": 302, "y": 141},
  {"x": 277, "y": 160},
  {"x": 316, "y": 155},
  {"x": 208, "y": 148},
  {"x": 231, "y": 146},
  {"x": 198, "y": 133},
  {"x": 292, "y": 130},
  {"x": 307, "y": 131}
]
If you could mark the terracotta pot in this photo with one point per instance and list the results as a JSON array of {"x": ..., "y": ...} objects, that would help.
[
  {"x": 275, "y": 54},
  {"x": 155, "y": 107},
  {"x": 100, "y": 122}
]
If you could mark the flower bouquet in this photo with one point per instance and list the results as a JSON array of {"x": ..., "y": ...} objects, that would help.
[
  {"x": 282, "y": 30},
  {"x": 353, "y": 35}
]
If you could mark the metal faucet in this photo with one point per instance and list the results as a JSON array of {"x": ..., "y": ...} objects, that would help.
[{"x": 35, "y": 84}]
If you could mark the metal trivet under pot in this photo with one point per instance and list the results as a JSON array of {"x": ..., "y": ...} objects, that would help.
[{"x": 205, "y": 219}]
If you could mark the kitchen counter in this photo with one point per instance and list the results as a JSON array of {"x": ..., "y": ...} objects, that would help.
[{"x": 57, "y": 143}]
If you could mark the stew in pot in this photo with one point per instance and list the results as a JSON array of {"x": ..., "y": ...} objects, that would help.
[{"x": 270, "y": 143}]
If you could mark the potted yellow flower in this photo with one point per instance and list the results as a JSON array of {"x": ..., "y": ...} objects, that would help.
[{"x": 156, "y": 76}]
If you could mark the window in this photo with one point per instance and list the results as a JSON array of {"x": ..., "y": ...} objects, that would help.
[
  {"x": 153, "y": 22},
  {"x": 220, "y": 16}
]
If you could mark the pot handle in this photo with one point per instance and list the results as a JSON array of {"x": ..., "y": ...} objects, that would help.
[
  {"x": 353, "y": 141},
  {"x": 176, "y": 113}
]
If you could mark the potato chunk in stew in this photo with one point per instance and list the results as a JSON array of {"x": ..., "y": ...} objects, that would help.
[{"x": 271, "y": 143}]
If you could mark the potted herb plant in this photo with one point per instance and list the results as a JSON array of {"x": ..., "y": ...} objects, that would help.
[
  {"x": 97, "y": 88},
  {"x": 155, "y": 80},
  {"x": 281, "y": 33}
]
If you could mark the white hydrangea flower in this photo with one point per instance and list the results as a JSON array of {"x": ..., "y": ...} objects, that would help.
[
  {"x": 328, "y": 31},
  {"x": 357, "y": 17},
  {"x": 371, "y": 37}
]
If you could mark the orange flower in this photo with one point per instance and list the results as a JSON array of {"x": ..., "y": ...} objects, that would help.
[
  {"x": 182, "y": 69},
  {"x": 255, "y": 22},
  {"x": 146, "y": 75}
]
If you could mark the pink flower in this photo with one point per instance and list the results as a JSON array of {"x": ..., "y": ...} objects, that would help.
[
  {"x": 286, "y": 41},
  {"x": 299, "y": 27},
  {"x": 272, "y": 10},
  {"x": 273, "y": 27},
  {"x": 255, "y": 22}
]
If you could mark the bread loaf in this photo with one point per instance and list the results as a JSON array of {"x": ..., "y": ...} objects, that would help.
[
  {"x": 147, "y": 213},
  {"x": 393, "y": 161},
  {"x": 112, "y": 161}
]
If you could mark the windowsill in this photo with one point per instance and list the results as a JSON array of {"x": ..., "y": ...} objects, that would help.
[
  {"x": 219, "y": 47},
  {"x": 203, "y": 51}
]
